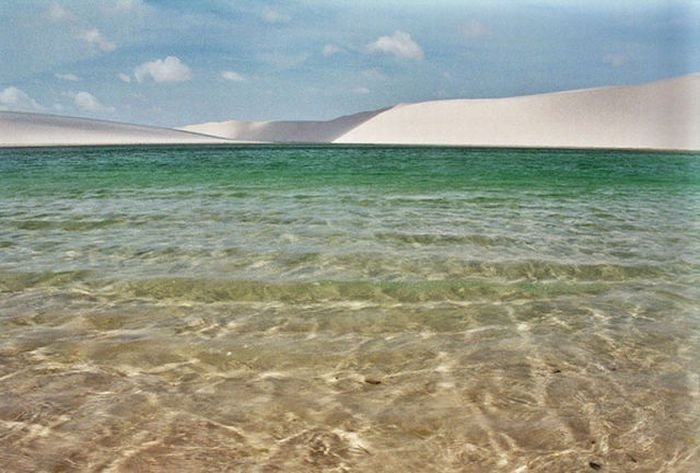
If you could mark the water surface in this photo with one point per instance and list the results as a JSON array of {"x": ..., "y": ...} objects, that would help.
[{"x": 296, "y": 308}]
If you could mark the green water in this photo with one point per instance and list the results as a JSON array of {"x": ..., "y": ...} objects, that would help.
[{"x": 348, "y": 308}]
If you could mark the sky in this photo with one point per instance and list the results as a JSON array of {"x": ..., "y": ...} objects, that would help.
[{"x": 177, "y": 62}]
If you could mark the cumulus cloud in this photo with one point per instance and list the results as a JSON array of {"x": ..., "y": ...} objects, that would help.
[
  {"x": 124, "y": 77},
  {"x": 87, "y": 102},
  {"x": 399, "y": 44},
  {"x": 270, "y": 15},
  {"x": 170, "y": 69},
  {"x": 16, "y": 100},
  {"x": 94, "y": 38},
  {"x": 361, "y": 90},
  {"x": 68, "y": 77},
  {"x": 330, "y": 50},
  {"x": 474, "y": 29},
  {"x": 232, "y": 75}
]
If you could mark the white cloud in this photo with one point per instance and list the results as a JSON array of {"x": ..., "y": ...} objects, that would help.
[
  {"x": 330, "y": 50},
  {"x": 124, "y": 77},
  {"x": 94, "y": 38},
  {"x": 14, "y": 99},
  {"x": 87, "y": 102},
  {"x": 399, "y": 44},
  {"x": 361, "y": 90},
  {"x": 474, "y": 29},
  {"x": 68, "y": 77},
  {"x": 270, "y": 15},
  {"x": 170, "y": 69},
  {"x": 232, "y": 75}
]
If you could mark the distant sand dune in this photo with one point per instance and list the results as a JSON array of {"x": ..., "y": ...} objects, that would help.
[
  {"x": 659, "y": 115},
  {"x": 285, "y": 131},
  {"x": 33, "y": 129}
]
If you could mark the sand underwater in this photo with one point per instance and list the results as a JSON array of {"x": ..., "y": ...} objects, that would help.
[{"x": 349, "y": 308}]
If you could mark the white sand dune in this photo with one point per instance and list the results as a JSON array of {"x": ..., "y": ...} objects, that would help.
[
  {"x": 659, "y": 115},
  {"x": 284, "y": 131},
  {"x": 33, "y": 129}
]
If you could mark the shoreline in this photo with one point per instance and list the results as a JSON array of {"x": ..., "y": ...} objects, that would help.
[{"x": 245, "y": 144}]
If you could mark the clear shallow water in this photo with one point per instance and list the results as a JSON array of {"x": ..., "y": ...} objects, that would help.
[{"x": 348, "y": 308}]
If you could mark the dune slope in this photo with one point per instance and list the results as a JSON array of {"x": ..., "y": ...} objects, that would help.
[
  {"x": 33, "y": 129},
  {"x": 659, "y": 115},
  {"x": 284, "y": 131}
]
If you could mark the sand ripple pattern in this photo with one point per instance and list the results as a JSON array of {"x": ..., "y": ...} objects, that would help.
[{"x": 348, "y": 309}]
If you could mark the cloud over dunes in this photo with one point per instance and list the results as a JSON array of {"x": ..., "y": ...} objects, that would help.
[
  {"x": 94, "y": 37},
  {"x": 87, "y": 102},
  {"x": 68, "y": 77},
  {"x": 16, "y": 100},
  {"x": 232, "y": 76},
  {"x": 170, "y": 69},
  {"x": 400, "y": 44}
]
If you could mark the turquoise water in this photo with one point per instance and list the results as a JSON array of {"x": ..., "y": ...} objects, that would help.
[{"x": 348, "y": 308}]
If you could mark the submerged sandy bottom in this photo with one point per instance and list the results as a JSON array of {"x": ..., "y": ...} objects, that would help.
[
  {"x": 301, "y": 309},
  {"x": 541, "y": 384}
]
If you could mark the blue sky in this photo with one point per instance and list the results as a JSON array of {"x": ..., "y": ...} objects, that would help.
[{"x": 175, "y": 62}]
